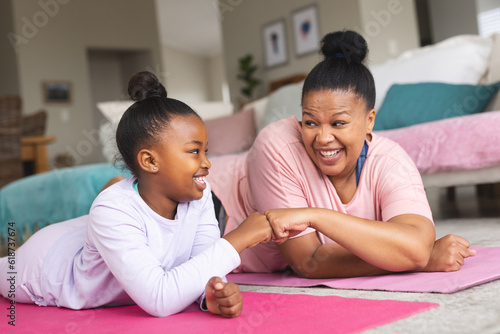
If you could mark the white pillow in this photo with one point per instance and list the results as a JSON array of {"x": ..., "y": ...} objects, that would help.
[
  {"x": 107, "y": 133},
  {"x": 259, "y": 108},
  {"x": 113, "y": 110},
  {"x": 458, "y": 60},
  {"x": 494, "y": 64},
  {"x": 283, "y": 103},
  {"x": 212, "y": 109}
]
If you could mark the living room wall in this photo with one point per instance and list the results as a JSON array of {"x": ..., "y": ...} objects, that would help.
[
  {"x": 53, "y": 37},
  {"x": 191, "y": 77},
  {"x": 186, "y": 76},
  {"x": 452, "y": 17},
  {"x": 9, "y": 82},
  {"x": 242, "y": 23}
]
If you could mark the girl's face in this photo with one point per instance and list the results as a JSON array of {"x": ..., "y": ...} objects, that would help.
[
  {"x": 182, "y": 160},
  {"x": 334, "y": 127}
]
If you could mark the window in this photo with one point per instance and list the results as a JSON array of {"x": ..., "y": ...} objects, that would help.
[{"x": 489, "y": 22}]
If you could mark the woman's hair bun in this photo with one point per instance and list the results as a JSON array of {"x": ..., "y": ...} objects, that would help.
[
  {"x": 346, "y": 44},
  {"x": 145, "y": 84}
]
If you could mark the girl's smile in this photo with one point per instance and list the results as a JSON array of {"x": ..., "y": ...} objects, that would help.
[{"x": 199, "y": 179}]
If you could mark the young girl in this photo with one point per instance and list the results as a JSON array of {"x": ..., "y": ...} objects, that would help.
[{"x": 151, "y": 239}]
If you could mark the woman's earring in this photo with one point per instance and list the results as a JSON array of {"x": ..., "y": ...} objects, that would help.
[{"x": 154, "y": 168}]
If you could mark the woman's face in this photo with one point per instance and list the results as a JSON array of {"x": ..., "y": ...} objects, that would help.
[
  {"x": 183, "y": 164},
  {"x": 334, "y": 127}
]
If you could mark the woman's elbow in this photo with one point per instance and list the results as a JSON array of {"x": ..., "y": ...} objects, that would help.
[
  {"x": 307, "y": 269},
  {"x": 420, "y": 263},
  {"x": 416, "y": 254},
  {"x": 305, "y": 273},
  {"x": 419, "y": 259}
]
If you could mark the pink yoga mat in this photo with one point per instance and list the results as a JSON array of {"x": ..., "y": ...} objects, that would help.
[
  {"x": 263, "y": 313},
  {"x": 481, "y": 268}
]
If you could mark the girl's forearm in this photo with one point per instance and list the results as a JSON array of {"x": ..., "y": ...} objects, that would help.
[
  {"x": 239, "y": 241},
  {"x": 253, "y": 230}
]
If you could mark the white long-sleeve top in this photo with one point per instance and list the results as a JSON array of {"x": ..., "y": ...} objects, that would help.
[{"x": 131, "y": 254}]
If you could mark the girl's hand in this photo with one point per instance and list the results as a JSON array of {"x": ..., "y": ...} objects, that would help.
[
  {"x": 449, "y": 254},
  {"x": 252, "y": 231},
  {"x": 287, "y": 223},
  {"x": 256, "y": 225},
  {"x": 223, "y": 298}
]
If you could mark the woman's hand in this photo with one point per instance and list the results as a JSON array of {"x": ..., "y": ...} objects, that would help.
[
  {"x": 287, "y": 223},
  {"x": 223, "y": 298},
  {"x": 449, "y": 253},
  {"x": 252, "y": 231}
]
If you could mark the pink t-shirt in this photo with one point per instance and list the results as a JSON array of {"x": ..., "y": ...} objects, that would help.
[{"x": 277, "y": 172}]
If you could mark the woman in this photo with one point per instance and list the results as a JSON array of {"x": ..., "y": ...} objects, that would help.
[{"x": 352, "y": 203}]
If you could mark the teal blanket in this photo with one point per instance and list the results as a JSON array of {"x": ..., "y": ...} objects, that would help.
[{"x": 52, "y": 197}]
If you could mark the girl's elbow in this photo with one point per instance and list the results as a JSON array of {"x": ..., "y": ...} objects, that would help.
[{"x": 159, "y": 313}]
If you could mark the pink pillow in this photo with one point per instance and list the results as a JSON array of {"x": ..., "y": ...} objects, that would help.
[
  {"x": 454, "y": 144},
  {"x": 231, "y": 134}
]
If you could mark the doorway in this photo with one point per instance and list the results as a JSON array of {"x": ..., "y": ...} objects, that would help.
[{"x": 109, "y": 72}]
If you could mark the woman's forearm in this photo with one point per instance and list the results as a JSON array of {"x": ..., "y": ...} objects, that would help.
[
  {"x": 334, "y": 261},
  {"x": 364, "y": 247},
  {"x": 404, "y": 243}
]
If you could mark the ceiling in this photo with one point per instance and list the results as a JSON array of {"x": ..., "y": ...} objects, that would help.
[{"x": 190, "y": 25}]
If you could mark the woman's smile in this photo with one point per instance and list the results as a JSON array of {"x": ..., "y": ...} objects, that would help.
[{"x": 329, "y": 156}]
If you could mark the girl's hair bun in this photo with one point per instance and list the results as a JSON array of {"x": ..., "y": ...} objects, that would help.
[
  {"x": 145, "y": 84},
  {"x": 346, "y": 44}
]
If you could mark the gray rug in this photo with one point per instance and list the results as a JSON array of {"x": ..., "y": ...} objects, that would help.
[{"x": 474, "y": 310}]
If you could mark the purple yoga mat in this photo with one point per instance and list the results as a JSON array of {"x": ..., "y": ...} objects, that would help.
[{"x": 481, "y": 268}]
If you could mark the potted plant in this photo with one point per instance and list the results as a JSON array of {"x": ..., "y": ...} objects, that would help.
[{"x": 246, "y": 74}]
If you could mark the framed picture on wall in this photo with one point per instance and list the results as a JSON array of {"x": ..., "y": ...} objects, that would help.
[
  {"x": 56, "y": 91},
  {"x": 306, "y": 30},
  {"x": 274, "y": 39}
]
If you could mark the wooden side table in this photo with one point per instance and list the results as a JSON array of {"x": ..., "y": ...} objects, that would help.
[{"x": 35, "y": 149}]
